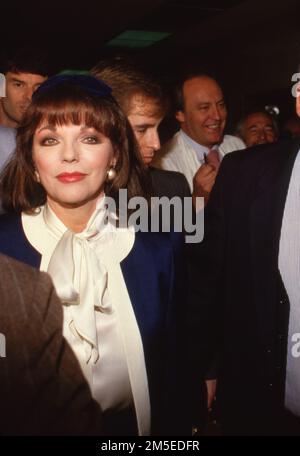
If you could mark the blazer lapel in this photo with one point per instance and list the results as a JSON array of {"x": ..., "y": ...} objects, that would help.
[{"x": 141, "y": 277}]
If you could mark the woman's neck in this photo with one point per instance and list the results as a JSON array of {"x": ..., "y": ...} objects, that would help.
[{"x": 74, "y": 218}]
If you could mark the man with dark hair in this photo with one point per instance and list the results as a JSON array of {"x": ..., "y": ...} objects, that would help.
[
  {"x": 257, "y": 127},
  {"x": 24, "y": 71}
]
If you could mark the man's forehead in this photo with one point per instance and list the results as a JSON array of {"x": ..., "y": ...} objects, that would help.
[
  {"x": 25, "y": 77},
  {"x": 143, "y": 106},
  {"x": 202, "y": 86},
  {"x": 258, "y": 118}
]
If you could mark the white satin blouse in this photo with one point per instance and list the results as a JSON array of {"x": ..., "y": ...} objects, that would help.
[{"x": 99, "y": 321}]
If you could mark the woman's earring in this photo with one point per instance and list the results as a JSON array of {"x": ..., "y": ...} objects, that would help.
[
  {"x": 37, "y": 176},
  {"x": 111, "y": 174}
]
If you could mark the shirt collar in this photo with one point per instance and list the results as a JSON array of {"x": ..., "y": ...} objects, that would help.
[{"x": 200, "y": 150}]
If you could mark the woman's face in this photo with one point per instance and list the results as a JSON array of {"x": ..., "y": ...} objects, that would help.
[{"x": 72, "y": 163}]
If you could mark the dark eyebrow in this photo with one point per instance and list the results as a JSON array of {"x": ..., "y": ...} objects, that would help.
[
  {"x": 53, "y": 128},
  {"x": 18, "y": 80},
  {"x": 144, "y": 125}
]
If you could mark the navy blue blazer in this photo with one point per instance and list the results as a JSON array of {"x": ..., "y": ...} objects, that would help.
[{"x": 154, "y": 273}]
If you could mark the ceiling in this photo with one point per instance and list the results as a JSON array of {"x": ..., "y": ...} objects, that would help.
[
  {"x": 254, "y": 45},
  {"x": 77, "y": 33}
]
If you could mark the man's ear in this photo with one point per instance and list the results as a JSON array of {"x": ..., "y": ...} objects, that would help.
[{"x": 180, "y": 116}]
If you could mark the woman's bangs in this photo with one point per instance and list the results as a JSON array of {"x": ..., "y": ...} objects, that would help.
[{"x": 76, "y": 113}]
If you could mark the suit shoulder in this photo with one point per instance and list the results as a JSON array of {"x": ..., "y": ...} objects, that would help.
[
  {"x": 13, "y": 241},
  {"x": 24, "y": 284},
  {"x": 14, "y": 271},
  {"x": 9, "y": 219},
  {"x": 264, "y": 154},
  {"x": 9, "y": 225},
  {"x": 166, "y": 173},
  {"x": 174, "y": 176},
  {"x": 169, "y": 183},
  {"x": 241, "y": 171}
]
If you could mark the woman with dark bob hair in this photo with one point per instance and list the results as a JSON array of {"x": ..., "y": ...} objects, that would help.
[{"x": 118, "y": 287}]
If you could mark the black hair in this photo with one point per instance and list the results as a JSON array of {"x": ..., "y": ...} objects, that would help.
[{"x": 27, "y": 60}]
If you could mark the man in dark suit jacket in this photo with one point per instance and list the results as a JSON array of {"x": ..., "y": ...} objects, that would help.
[
  {"x": 244, "y": 301},
  {"x": 42, "y": 388},
  {"x": 168, "y": 183}
]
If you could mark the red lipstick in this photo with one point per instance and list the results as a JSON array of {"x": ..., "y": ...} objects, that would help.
[{"x": 68, "y": 178}]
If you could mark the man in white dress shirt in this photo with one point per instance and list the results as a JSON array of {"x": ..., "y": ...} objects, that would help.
[{"x": 201, "y": 113}]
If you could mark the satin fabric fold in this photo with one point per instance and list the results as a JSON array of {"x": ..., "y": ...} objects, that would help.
[{"x": 79, "y": 277}]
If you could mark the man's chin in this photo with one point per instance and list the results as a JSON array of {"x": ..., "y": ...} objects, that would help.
[
  {"x": 17, "y": 117},
  {"x": 216, "y": 139},
  {"x": 147, "y": 160},
  {"x": 21, "y": 114}
]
